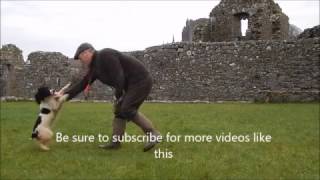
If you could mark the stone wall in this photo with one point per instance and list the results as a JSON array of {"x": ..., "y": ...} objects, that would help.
[
  {"x": 264, "y": 71},
  {"x": 51, "y": 69},
  {"x": 310, "y": 33},
  {"x": 235, "y": 71},
  {"x": 192, "y": 29},
  {"x": 11, "y": 66}
]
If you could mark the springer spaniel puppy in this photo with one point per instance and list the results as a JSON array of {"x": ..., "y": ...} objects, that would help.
[{"x": 50, "y": 103}]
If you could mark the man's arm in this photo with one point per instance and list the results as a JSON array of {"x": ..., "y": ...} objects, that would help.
[
  {"x": 120, "y": 83},
  {"x": 80, "y": 86},
  {"x": 114, "y": 67}
]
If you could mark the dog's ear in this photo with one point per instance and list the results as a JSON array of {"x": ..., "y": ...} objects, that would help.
[{"x": 42, "y": 93}]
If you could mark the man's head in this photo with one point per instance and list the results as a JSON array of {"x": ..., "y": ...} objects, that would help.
[{"x": 84, "y": 53}]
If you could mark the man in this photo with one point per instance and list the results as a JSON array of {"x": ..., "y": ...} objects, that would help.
[{"x": 132, "y": 84}]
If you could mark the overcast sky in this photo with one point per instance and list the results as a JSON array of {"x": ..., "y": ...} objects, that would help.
[{"x": 123, "y": 25}]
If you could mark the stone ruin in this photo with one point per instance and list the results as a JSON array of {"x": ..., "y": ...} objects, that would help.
[
  {"x": 53, "y": 69},
  {"x": 265, "y": 22},
  {"x": 310, "y": 33},
  {"x": 11, "y": 67},
  {"x": 263, "y": 70}
]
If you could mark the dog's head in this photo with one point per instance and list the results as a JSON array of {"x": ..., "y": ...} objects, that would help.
[{"x": 42, "y": 93}]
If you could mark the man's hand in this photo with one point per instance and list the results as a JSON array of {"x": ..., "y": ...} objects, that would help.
[
  {"x": 119, "y": 101},
  {"x": 61, "y": 92},
  {"x": 58, "y": 94},
  {"x": 117, "y": 104}
]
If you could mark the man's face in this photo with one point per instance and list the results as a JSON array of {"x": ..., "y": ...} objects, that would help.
[{"x": 86, "y": 56}]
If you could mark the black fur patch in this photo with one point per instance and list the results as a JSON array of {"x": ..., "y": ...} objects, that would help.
[
  {"x": 38, "y": 121},
  {"x": 34, "y": 134},
  {"x": 42, "y": 93},
  {"x": 45, "y": 111}
]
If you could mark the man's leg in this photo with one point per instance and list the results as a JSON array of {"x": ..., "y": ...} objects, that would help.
[
  {"x": 118, "y": 128},
  {"x": 147, "y": 127},
  {"x": 143, "y": 122}
]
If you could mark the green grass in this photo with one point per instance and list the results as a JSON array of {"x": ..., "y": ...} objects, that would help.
[{"x": 292, "y": 154}]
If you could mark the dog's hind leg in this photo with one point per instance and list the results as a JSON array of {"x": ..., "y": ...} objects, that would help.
[{"x": 44, "y": 146}]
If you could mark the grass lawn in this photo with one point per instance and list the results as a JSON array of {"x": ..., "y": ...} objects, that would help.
[{"x": 293, "y": 152}]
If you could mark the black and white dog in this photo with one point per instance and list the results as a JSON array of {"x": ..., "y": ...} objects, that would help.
[{"x": 50, "y": 103}]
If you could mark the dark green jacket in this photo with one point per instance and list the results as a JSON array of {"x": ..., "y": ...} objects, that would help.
[{"x": 114, "y": 69}]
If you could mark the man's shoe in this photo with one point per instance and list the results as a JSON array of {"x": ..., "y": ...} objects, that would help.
[
  {"x": 110, "y": 146},
  {"x": 149, "y": 145}
]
